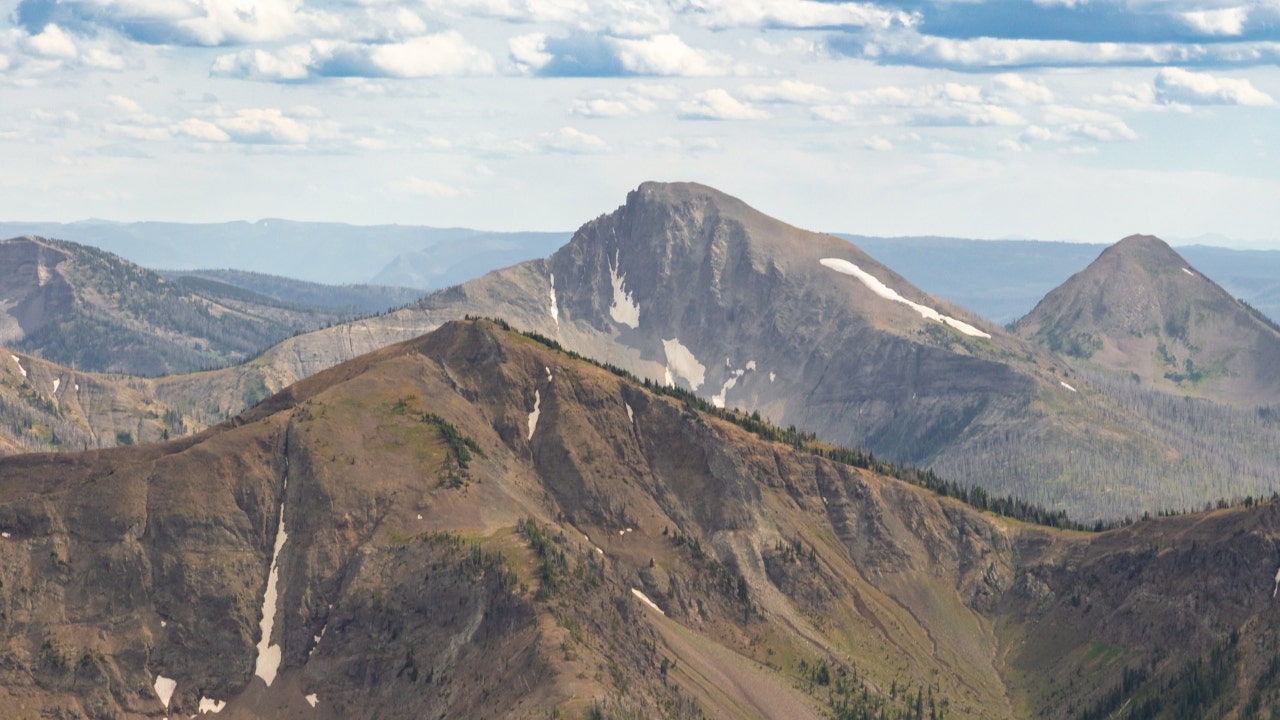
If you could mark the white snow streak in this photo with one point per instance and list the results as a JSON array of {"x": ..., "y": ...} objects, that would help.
[
  {"x": 888, "y": 293},
  {"x": 56, "y": 383},
  {"x": 312, "y": 699},
  {"x": 666, "y": 378},
  {"x": 164, "y": 688},
  {"x": 751, "y": 365},
  {"x": 683, "y": 363},
  {"x": 209, "y": 705},
  {"x": 4, "y": 535},
  {"x": 630, "y": 414},
  {"x": 20, "y": 368},
  {"x": 268, "y": 661},
  {"x": 772, "y": 376},
  {"x": 645, "y": 599},
  {"x": 718, "y": 398},
  {"x": 1277, "y": 587},
  {"x": 555, "y": 309},
  {"x": 1063, "y": 384},
  {"x": 624, "y": 309},
  {"x": 1188, "y": 271},
  {"x": 533, "y": 416}
]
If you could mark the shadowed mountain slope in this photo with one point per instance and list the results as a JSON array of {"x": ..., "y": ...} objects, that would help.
[
  {"x": 472, "y": 524},
  {"x": 79, "y": 306},
  {"x": 1141, "y": 309}
]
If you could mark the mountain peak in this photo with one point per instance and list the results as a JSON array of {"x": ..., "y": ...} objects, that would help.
[{"x": 1141, "y": 308}]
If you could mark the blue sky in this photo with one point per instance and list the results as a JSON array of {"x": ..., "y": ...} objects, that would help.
[{"x": 1052, "y": 119}]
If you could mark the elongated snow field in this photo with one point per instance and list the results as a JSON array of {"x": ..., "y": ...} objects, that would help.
[{"x": 888, "y": 293}]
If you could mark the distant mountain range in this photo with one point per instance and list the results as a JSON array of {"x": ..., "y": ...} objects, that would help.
[
  {"x": 330, "y": 253},
  {"x": 686, "y": 286},
  {"x": 85, "y": 308},
  {"x": 474, "y": 524}
]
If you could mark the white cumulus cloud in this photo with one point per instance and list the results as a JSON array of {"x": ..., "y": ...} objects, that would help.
[
  {"x": 718, "y": 104},
  {"x": 441, "y": 54},
  {"x": 1177, "y": 85},
  {"x": 723, "y": 14}
]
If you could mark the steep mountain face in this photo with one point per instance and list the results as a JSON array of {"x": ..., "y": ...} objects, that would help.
[
  {"x": 471, "y": 524},
  {"x": 76, "y": 305},
  {"x": 684, "y": 285},
  {"x": 1141, "y": 309},
  {"x": 46, "y": 407}
]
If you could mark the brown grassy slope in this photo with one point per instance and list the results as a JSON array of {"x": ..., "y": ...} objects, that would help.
[{"x": 769, "y": 564}]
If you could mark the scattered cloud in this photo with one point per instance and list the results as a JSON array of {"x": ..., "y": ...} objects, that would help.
[
  {"x": 573, "y": 141},
  {"x": 879, "y": 144},
  {"x": 182, "y": 22},
  {"x": 1182, "y": 86},
  {"x": 612, "y": 104},
  {"x": 590, "y": 55},
  {"x": 442, "y": 54},
  {"x": 718, "y": 104},
  {"x": 795, "y": 14},
  {"x": 787, "y": 91}
]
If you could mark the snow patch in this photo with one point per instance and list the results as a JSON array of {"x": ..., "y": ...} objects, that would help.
[
  {"x": 1277, "y": 587},
  {"x": 751, "y": 365},
  {"x": 624, "y": 309},
  {"x": 268, "y": 661},
  {"x": 164, "y": 689},
  {"x": 772, "y": 377},
  {"x": 1188, "y": 271},
  {"x": 533, "y": 416},
  {"x": 718, "y": 398},
  {"x": 164, "y": 624},
  {"x": 1063, "y": 384},
  {"x": 666, "y": 378},
  {"x": 888, "y": 293},
  {"x": 630, "y": 414},
  {"x": 645, "y": 599},
  {"x": 312, "y": 699},
  {"x": 683, "y": 363},
  {"x": 56, "y": 383},
  {"x": 20, "y": 368},
  {"x": 4, "y": 535},
  {"x": 209, "y": 705},
  {"x": 555, "y": 309},
  {"x": 549, "y": 376}
]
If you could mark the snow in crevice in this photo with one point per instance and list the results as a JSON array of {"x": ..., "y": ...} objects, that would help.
[
  {"x": 772, "y": 376},
  {"x": 751, "y": 365},
  {"x": 682, "y": 362},
  {"x": 666, "y": 377},
  {"x": 1277, "y": 587},
  {"x": 268, "y": 660},
  {"x": 549, "y": 376},
  {"x": 555, "y": 309},
  {"x": 533, "y": 416},
  {"x": 718, "y": 398},
  {"x": 1065, "y": 385},
  {"x": 164, "y": 689},
  {"x": 56, "y": 383},
  {"x": 209, "y": 705},
  {"x": 645, "y": 599},
  {"x": 1188, "y": 271},
  {"x": 623, "y": 309},
  {"x": 312, "y": 699},
  {"x": 630, "y": 413},
  {"x": 20, "y": 368},
  {"x": 873, "y": 283},
  {"x": 4, "y": 535}
]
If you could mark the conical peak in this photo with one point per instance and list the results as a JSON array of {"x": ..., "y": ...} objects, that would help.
[{"x": 1148, "y": 251}]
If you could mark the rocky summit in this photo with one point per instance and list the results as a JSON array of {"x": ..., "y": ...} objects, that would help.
[
  {"x": 1141, "y": 309},
  {"x": 475, "y": 524}
]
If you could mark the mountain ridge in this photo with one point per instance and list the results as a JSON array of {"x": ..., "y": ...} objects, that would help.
[{"x": 598, "y": 551}]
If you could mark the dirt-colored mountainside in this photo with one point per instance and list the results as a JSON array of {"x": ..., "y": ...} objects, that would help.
[
  {"x": 47, "y": 407},
  {"x": 685, "y": 285},
  {"x": 1141, "y": 309},
  {"x": 81, "y": 307},
  {"x": 472, "y": 524}
]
